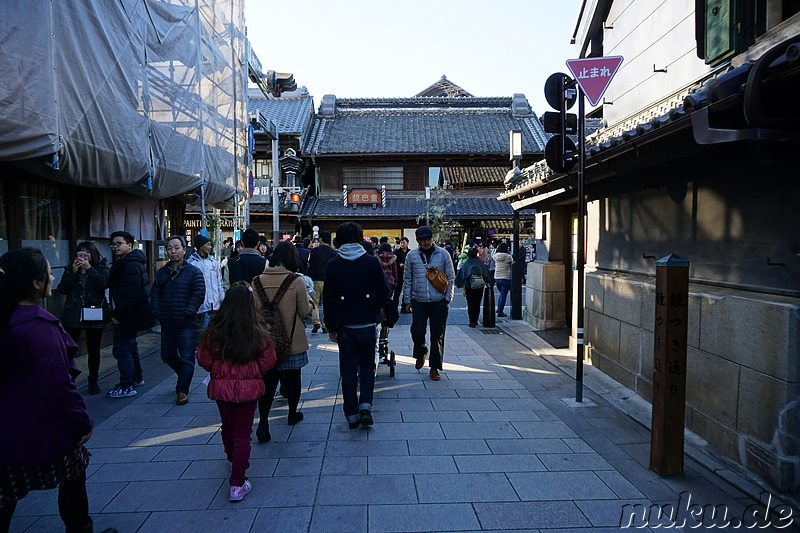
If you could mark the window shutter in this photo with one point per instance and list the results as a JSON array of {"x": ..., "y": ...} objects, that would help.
[{"x": 720, "y": 31}]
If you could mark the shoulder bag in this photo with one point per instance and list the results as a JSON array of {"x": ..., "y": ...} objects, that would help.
[{"x": 435, "y": 275}]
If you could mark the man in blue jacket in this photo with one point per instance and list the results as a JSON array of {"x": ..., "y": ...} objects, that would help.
[
  {"x": 129, "y": 287},
  {"x": 427, "y": 303},
  {"x": 178, "y": 292},
  {"x": 355, "y": 292}
]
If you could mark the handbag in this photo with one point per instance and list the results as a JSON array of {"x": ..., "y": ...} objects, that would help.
[
  {"x": 437, "y": 278},
  {"x": 91, "y": 314},
  {"x": 476, "y": 282}
]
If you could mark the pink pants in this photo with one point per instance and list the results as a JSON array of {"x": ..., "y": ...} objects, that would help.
[{"x": 237, "y": 425}]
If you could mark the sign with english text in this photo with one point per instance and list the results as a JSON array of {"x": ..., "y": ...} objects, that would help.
[{"x": 594, "y": 74}]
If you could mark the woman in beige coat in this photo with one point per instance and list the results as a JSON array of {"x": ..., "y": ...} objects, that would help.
[{"x": 294, "y": 307}]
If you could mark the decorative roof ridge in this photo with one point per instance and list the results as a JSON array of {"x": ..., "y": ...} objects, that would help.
[
  {"x": 374, "y": 112},
  {"x": 281, "y": 99},
  {"x": 427, "y": 101}
]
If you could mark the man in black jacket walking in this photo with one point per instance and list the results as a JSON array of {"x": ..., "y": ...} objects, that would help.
[
  {"x": 178, "y": 292},
  {"x": 355, "y": 292},
  {"x": 248, "y": 264},
  {"x": 129, "y": 288},
  {"x": 317, "y": 266}
]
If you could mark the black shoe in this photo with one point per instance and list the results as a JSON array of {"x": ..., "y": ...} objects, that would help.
[
  {"x": 262, "y": 434},
  {"x": 365, "y": 417},
  {"x": 473, "y": 324},
  {"x": 93, "y": 387},
  {"x": 500, "y": 313},
  {"x": 354, "y": 425},
  {"x": 295, "y": 418}
]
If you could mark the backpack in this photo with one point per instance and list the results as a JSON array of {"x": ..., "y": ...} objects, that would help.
[
  {"x": 476, "y": 282},
  {"x": 273, "y": 317}
]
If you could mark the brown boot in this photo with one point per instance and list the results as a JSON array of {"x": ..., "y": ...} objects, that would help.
[
  {"x": 435, "y": 374},
  {"x": 420, "y": 361}
]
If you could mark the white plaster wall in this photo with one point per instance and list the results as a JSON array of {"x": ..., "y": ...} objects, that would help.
[{"x": 647, "y": 33}]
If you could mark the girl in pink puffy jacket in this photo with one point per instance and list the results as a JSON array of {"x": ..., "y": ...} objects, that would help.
[{"x": 237, "y": 351}]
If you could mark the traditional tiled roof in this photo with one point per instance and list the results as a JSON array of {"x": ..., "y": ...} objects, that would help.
[
  {"x": 423, "y": 125},
  {"x": 459, "y": 177},
  {"x": 443, "y": 87},
  {"x": 407, "y": 207},
  {"x": 292, "y": 115}
]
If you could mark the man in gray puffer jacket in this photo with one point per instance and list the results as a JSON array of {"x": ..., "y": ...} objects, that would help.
[{"x": 426, "y": 301}]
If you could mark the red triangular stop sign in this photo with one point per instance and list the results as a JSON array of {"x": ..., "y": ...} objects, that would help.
[{"x": 594, "y": 74}]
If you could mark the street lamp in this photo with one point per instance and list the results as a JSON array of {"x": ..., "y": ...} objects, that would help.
[
  {"x": 515, "y": 153},
  {"x": 515, "y": 144}
]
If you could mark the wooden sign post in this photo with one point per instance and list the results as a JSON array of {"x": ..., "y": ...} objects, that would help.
[{"x": 669, "y": 365}]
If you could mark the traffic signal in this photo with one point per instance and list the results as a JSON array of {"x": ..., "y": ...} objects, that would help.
[
  {"x": 560, "y": 152},
  {"x": 293, "y": 202},
  {"x": 280, "y": 82}
]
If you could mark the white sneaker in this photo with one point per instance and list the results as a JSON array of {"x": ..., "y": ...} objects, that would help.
[
  {"x": 238, "y": 493},
  {"x": 121, "y": 392}
]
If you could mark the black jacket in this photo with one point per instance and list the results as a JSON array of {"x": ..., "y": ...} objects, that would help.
[
  {"x": 177, "y": 295},
  {"x": 318, "y": 261},
  {"x": 355, "y": 292},
  {"x": 94, "y": 295},
  {"x": 245, "y": 266},
  {"x": 304, "y": 254},
  {"x": 129, "y": 288}
]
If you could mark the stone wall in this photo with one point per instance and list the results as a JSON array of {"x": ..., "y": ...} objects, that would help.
[
  {"x": 743, "y": 364},
  {"x": 545, "y": 299}
]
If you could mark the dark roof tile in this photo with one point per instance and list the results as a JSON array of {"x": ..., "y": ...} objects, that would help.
[
  {"x": 292, "y": 115},
  {"x": 445, "y": 125},
  {"x": 406, "y": 206}
]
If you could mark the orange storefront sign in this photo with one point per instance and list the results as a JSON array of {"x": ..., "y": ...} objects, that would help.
[{"x": 364, "y": 196}]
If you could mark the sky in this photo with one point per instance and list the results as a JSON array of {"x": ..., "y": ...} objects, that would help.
[{"x": 397, "y": 48}]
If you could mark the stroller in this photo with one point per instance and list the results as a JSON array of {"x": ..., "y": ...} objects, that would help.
[{"x": 384, "y": 356}]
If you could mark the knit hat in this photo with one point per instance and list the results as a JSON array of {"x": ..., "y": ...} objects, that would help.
[{"x": 200, "y": 240}]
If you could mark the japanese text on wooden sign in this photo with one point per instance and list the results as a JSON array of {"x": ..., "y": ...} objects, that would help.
[{"x": 364, "y": 196}]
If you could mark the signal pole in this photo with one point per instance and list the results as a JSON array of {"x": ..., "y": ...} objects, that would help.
[{"x": 581, "y": 252}]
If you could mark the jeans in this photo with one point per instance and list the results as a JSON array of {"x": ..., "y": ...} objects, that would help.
[
  {"x": 437, "y": 313},
  {"x": 237, "y": 424},
  {"x": 126, "y": 352},
  {"x": 356, "y": 366},
  {"x": 503, "y": 286},
  {"x": 177, "y": 350}
]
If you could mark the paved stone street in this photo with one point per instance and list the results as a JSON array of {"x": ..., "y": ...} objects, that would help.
[{"x": 497, "y": 444}]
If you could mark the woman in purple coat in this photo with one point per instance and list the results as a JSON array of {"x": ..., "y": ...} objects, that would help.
[{"x": 47, "y": 419}]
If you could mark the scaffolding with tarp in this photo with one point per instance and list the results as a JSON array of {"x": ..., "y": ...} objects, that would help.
[{"x": 142, "y": 96}]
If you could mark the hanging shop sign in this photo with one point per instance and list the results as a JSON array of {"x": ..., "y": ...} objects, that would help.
[{"x": 363, "y": 196}]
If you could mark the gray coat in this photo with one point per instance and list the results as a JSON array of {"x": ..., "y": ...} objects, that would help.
[{"x": 416, "y": 285}]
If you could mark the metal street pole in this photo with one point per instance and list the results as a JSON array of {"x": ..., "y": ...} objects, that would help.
[
  {"x": 276, "y": 172},
  {"x": 581, "y": 246}
]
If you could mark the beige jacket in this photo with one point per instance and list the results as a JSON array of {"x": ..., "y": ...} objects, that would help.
[{"x": 295, "y": 303}]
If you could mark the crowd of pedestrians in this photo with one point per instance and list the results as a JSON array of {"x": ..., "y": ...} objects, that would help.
[{"x": 241, "y": 318}]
